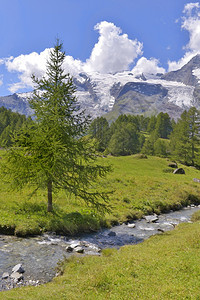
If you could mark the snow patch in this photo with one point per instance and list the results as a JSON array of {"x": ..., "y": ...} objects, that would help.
[
  {"x": 196, "y": 73},
  {"x": 178, "y": 93}
]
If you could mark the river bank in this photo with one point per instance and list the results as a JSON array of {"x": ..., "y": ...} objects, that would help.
[
  {"x": 140, "y": 187},
  {"x": 40, "y": 255}
]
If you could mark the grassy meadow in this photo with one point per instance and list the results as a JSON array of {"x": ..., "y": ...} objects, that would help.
[
  {"x": 140, "y": 186},
  {"x": 166, "y": 266}
]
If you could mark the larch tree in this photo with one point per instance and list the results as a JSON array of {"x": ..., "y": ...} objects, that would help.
[
  {"x": 53, "y": 152},
  {"x": 185, "y": 138},
  {"x": 99, "y": 129},
  {"x": 163, "y": 125}
]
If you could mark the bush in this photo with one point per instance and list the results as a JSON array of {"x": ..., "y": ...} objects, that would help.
[{"x": 141, "y": 156}]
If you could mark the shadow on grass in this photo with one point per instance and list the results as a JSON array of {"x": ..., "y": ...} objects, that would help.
[{"x": 33, "y": 219}]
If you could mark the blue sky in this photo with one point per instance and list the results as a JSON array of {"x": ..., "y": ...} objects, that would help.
[{"x": 148, "y": 34}]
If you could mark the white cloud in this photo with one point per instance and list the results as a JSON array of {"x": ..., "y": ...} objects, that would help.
[
  {"x": 176, "y": 65},
  {"x": 189, "y": 7},
  {"x": 114, "y": 52},
  {"x": 27, "y": 65},
  {"x": 35, "y": 63},
  {"x": 147, "y": 66},
  {"x": 191, "y": 23}
]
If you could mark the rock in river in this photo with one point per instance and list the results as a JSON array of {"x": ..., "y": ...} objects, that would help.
[
  {"x": 151, "y": 218},
  {"x": 111, "y": 233},
  {"x": 16, "y": 276},
  {"x": 18, "y": 268},
  {"x": 131, "y": 225},
  {"x": 5, "y": 275},
  {"x": 79, "y": 250}
]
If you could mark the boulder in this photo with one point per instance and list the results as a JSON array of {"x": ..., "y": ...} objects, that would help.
[
  {"x": 112, "y": 233},
  {"x": 173, "y": 165},
  {"x": 85, "y": 244},
  {"x": 196, "y": 180},
  {"x": 131, "y": 225},
  {"x": 18, "y": 268},
  {"x": 179, "y": 171},
  {"x": 151, "y": 218},
  {"x": 72, "y": 246},
  {"x": 79, "y": 250},
  {"x": 69, "y": 249},
  {"x": 16, "y": 276},
  {"x": 5, "y": 275}
]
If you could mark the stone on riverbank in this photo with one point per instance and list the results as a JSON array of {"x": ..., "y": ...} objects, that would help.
[
  {"x": 79, "y": 250},
  {"x": 76, "y": 247},
  {"x": 69, "y": 249},
  {"x": 5, "y": 275},
  {"x": 16, "y": 276},
  {"x": 18, "y": 268}
]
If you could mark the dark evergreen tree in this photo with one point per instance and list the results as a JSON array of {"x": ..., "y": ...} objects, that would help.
[
  {"x": 163, "y": 125},
  {"x": 143, "y": 122},
  {"x": 148, "y": 147},
  {"x": 9, "y": 123},
  {"x": 160, "y": 148},
  {"x": 125, "y": 140},
  {"x": 99, "y": 129},
  {"x": 151, "y": 124},
  {"x": 185, "y": 137}
]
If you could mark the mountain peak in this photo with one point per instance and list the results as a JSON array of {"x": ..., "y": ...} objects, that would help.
[
  {"x": 195, "y": 60},
  {"x": 185, "y": 74},
  {"x": 111, "y": 95}
]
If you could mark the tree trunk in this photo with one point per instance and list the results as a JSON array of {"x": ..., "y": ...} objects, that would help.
[{"x": 49, "y": 188}]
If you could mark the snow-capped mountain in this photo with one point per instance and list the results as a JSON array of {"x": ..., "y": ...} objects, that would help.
[{"x": 114, "y": 94}]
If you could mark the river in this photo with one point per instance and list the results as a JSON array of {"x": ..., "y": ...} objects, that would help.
[{"x": 40, "y": 255}]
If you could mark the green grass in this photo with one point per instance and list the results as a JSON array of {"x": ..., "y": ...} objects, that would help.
[
  {"x": 141, "y": 186},
  {"x": 166, "y": 266},
  {"x": 196, "y": 216}
]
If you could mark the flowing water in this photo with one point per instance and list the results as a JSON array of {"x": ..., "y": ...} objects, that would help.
[{"x": 40, "y": 255}]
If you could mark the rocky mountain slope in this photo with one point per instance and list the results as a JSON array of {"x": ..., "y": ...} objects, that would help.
[{"x": 114, "y": 94}]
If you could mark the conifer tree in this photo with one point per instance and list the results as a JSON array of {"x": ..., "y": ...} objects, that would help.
[
  {"x": 52, "y": 152},
  {"x": 163, "y": 125},
  {"x": 151, "y": 124},
  {"x": 148, "y": 146},
  {"x": 99, "y": 129},
  {"x": 125, "y": 140},
  {"x": 185, "y": 137}
]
